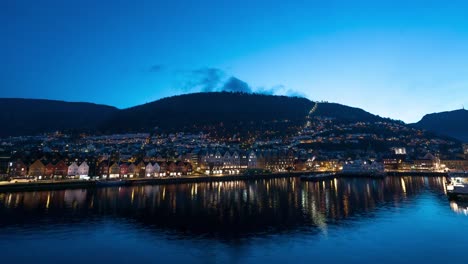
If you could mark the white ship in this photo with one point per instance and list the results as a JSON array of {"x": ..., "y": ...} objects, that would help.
[
  {"x": 457, "y": 183},
  {"x": 363, "y": 168}
]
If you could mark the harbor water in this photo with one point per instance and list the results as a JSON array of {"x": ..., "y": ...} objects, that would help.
[{"x": 283, "y": 220}]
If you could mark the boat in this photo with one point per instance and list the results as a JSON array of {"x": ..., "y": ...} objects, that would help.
[
  {"x": 318, "y": 177},
  {"x": 23, "y": 179},
  {"x": 457, "y": 183},
  {"x": 359, "y": 168},
  {"x": 108, "y": 183}
]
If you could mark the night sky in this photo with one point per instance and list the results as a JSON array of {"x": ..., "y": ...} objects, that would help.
[{"x": 392, "y": 58}]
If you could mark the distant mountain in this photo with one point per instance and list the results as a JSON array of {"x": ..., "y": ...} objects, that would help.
[
  {"x": 451, "y": 123},
  {"x": 33, "y": 116}
]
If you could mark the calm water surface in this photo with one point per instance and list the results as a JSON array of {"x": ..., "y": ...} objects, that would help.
[{"x": 395, "y": 220}]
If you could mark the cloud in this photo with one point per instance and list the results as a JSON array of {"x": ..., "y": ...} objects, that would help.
[
  {"x": 279, "y": 90},
  {"x": 233, "y": 84},
  {"x": 204, "y": 79},
  {"x": 294, "y": 93},
  {"x": 270, "y": 91},
  {"x": 214, "y": 80},
  {"x": 156, "y": 68}
]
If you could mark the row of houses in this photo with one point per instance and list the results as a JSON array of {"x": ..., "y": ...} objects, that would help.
[
  {"x": 105, "y": 169},
  {"x": 212, "y": 162},
  {"x": 144, "y": 169},
  {"x": 427, "y": 163},
  {"x": 47, "y": 171},
  {"x": 219, "y": 161}
]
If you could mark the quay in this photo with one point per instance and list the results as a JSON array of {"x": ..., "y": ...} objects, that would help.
[
  {"x": 79, "y": 184},
  {"x": 417, "y": 173}
]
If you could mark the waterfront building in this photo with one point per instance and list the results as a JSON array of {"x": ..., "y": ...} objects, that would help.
[
  {"x": 37, "y": 169},
  {"x": 252, "y": 160},
  {"x": 162, "y": 169},
  {"x": 212, "y": 162},
  {"x": 172, "y": 168},
  {"x": 455, "y": 165},
  {"x": 183, "y": 168},
  {"x": 428, "y": 163},
  {"x": 49, "y": 170},
  {"x": 156, "y": 169},
  {"x": 18, "y": 169},
  {"x": 131, "y": 170},
  {"x": 114, "y": 171},
  {"x": 4, "y": 165},
  {"x": 322, "y": 164},
  {"x": 149, "y": 170},
  {"x": 188, "y": 168},
  {"x": 140, "y": 170},
  {"x": 123, "y": 170},
  {"x": 83, "y": 169},
  {"x": 218, "y": 160},
  {"x": 244, "y": 160},
  {"x": 300, "y": 165},
  {"x": 60, "y": 169},
  {"x": 103, "y": 169},
  {"x": 392, "y": 164},
  {"x": 73, "y": 170},
  {"x": 227, "y": 161},
  {"x": 278, "y": 161},
  {"x": 235, "y": 160},
  {"x": 261, "y": 160}
]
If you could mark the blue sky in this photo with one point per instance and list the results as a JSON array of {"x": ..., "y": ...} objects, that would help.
[{"x": 392, "y": 58}]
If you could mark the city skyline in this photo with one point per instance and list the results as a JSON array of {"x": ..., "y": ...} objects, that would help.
[{"x": 394, "y": 59}]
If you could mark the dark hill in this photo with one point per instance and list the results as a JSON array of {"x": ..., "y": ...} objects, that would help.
[
  {"x": 33, "y": 116},
  {"x": 451, "y": 123},
  {"x": 221, "y": 114}
]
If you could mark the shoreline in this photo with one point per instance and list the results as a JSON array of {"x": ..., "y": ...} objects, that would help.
[{"x": 81, "y": 184}]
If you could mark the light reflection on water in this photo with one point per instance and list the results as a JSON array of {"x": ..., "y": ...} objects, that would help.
[{"x": 266, "y": 220}]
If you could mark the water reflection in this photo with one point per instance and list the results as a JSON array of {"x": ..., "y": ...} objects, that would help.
[
  {"x": 459, "y": 206},
  {"x": 226, "y": 209}
]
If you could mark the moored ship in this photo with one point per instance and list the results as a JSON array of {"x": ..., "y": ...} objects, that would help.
[
  {"x": 363, "y": 168},
  {"x": 457, "y": 183}
]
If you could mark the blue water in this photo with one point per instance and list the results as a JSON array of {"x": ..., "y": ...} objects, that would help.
[{"x": 395, "y": 220}]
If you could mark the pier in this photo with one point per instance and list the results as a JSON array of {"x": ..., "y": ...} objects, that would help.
[{"x": 78, "y": 184}]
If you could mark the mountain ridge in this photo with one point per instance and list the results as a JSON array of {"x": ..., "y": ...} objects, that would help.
[
  {"x": 221, "y": 113},
  {"x": 451, "y": 123},
  {"x": 22, "y": 116}
]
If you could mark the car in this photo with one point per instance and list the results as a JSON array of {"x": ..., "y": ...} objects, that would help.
[{"x": 23, "y": 179}]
